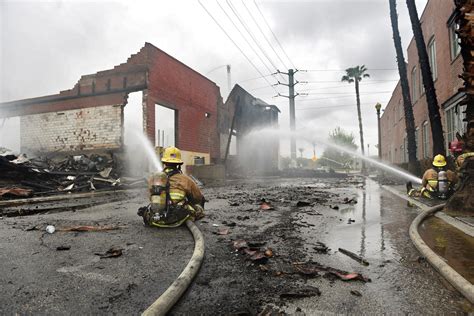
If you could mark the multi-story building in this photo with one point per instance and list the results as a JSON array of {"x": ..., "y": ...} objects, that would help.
[{"x": 446, "y": 64}]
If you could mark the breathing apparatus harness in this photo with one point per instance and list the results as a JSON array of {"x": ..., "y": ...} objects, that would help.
[{"x": 164, "y": 212}]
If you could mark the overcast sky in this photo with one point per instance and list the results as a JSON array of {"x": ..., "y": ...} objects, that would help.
[{"x": 47, "y": 45}]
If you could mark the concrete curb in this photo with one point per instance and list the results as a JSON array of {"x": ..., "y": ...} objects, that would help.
[
  {"x": 465, "y": 228},
  {"x": 460, "y": 283},
  {"x": 167, "y": 300}
]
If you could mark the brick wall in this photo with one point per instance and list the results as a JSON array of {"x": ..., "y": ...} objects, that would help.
[
  {"x": 434, "y": 25},
  {"x": 164, "y": 80},
  {"x": 175, "y": 85},
  {"x": 72, "y": 130}
]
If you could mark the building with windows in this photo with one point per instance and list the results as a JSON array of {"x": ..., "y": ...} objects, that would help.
[{"x": 438, "y": 26}]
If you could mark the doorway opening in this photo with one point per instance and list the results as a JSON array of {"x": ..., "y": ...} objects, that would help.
[{"x": 165, "y": 126}]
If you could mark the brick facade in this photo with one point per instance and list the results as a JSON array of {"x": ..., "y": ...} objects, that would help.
[
  {"x": 194, "y": 97},
  {"x": 163, "y": 80},
  {"x": 72, "y": 130},
  {"x": 435, "y": 22}
]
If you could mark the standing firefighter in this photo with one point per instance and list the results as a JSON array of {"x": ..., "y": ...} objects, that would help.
[
  {"x": 174, "y": 197},
  {"x": 437, "y": 182}
]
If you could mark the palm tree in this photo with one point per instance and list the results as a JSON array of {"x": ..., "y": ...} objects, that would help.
[
  {"x": 407, "y": 105},
  {"x": 463, "y": 199},
  {"x": 355, "y": 74},
  {"x": 433, "y": 107},
  {"x": 301, "y": 152}
]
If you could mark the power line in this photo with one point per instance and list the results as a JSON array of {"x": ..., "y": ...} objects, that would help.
[
  {"x": 261, "y": 77},
  {"x": 339, "y": 81},
  {"x": 351, "y": 93},
  {"x": 264, "y": 36},
  {"x": 274, "y": 36},
  {"x": 241, "y": 51},
  {"x": 345, "y": 86},
  {"x": 374, "y": 69},
  {"x": 259, "y": 88},
  {"x": 246, "y": 40},
  {"x": 234, "y": 10},
  {"x": 336, "y": 106},
  {"x": 329, "y": 98}
]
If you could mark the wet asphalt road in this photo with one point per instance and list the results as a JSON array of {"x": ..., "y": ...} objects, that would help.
[{"x": 38, "y": 279}]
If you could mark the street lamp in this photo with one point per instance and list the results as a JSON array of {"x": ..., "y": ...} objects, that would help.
[{"x": 378, "y": 106}]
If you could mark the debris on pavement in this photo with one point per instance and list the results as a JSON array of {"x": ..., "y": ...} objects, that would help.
[
  {"x": 321, "y": 247},
  {"x": 303, "y": 203},
  {"x": 350, "y": 201},
  {"x": 50, "y": 229},
  {"x": 307, "y": 291},
  {"x": 350, "y": 221},
  {"x": 47, "y": 176},
  {"x": 334, "y": 207},
  {"x": 222, "y": 231},
  {"x": 354, "y": 256},
  {"x": 230, "y": 224},
  {"x": 111, "y": 253},
  {"x": 63, "y": 248},
  {"x": 269, "y": 252},
  {"x": 15, "y": 192},
  {"x": 253, "y": 250},
  {"x": 243, "y": 218},
  {"x": 270, "y": 311},
  {"x": 240, "y": 244},
  {"x": 88, "y": 228},
  {"x": 356, "y": 293},
  {"x": 266, "y": 206},
  {"x": 312, "y": 269}
]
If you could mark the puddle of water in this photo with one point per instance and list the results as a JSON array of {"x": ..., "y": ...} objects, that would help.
[
  {"x": 450, "y": 243},
  {"x": 366, "y": 235}
]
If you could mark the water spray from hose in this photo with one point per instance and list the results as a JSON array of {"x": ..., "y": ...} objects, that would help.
[{"x": 308, "y": 135}]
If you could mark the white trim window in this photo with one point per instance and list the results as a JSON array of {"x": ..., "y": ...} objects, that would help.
[
  {"x": 417, "y": 133},
  {"x": 432, "y": 58},
  {"x": 454, "y": 122},
  {"x": 414, "y": 84},
  {"x": 422, "y": 86},
  {"x": 426, "y": 140},
  {"x": 454, "y": 41},
  {"x": 405, "y": 149}
]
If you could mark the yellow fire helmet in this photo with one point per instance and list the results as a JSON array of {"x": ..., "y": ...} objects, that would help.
[
  {"x": 439, "y": 161},
  {"x": 172, "y": 155}
]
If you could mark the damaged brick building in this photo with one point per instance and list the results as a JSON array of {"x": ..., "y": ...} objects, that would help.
[
  {"x": 245, "y": 114},
  {"x": 92, "y": 115}
]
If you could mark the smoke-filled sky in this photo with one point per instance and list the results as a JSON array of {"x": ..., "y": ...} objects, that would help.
[{"x": 47, "y": 45}]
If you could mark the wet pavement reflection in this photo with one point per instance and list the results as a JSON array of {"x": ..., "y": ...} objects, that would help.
[
  {"x": 454, "y": 246},
  {"x": 376, "y": 228}
]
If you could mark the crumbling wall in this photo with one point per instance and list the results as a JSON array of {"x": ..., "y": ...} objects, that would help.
[
  {"x": 259, "y": 155},
  {"x": 72, "y": 130},
  {"x": 194, "y": 97}
]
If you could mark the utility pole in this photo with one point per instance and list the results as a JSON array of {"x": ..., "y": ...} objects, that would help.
[
  {"x": 378, "y": 106},
  {"x": 291, "y": 96},
  {"x": 229, "y": 82},
  {"x": 291, "y": 85}
]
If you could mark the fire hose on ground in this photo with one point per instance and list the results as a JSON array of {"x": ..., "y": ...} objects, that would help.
[
  {"x": 460, "y": 283},
  {"x": 166, "y": 301}
]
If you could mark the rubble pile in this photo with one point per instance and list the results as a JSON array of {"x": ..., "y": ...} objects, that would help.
[{"x": 21, "y": 176}]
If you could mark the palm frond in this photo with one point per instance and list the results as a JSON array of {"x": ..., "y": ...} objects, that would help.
[{"x": 347, "y": 78}]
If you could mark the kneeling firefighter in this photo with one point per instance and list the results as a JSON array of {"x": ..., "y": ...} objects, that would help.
[
  {"x": 437, "y": 182},
  {"x": 174, "y": 197}
]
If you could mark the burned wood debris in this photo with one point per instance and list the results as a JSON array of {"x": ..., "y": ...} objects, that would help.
[{"x": 22, "y": 177}]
